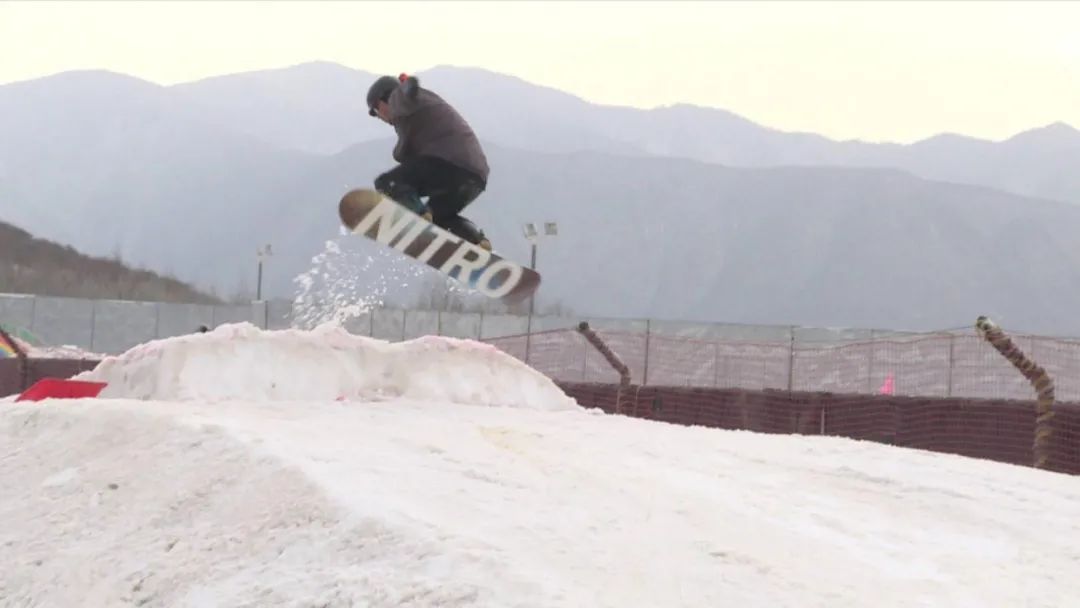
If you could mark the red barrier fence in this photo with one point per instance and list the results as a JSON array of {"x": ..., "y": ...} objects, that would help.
[{"x": 999, "y": 430}]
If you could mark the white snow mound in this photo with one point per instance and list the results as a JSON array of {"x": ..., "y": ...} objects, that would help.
[
  {"x": 106, "y": 506},
  {"x": 109, "y": 503},
  {"x": 242, "y": 362}
]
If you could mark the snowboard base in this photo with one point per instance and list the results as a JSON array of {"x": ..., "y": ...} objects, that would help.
[{"x": 379, "y": 218}]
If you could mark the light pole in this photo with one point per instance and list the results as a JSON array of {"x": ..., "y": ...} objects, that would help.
[
  {"x": 533, "y": 235},
  {"x": 261, "y": 253}
]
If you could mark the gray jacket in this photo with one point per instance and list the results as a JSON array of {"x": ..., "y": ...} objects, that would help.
[{"x": 428, "y": 126}]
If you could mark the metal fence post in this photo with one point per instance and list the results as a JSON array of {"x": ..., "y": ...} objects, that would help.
[
  {"x": 648, "y": 333},
  {"x": 791, "y": 362},
  {"x": 716, "y": 363},
  {"x": 870, "y": 365},
  {"x": 952, "y": 362}
]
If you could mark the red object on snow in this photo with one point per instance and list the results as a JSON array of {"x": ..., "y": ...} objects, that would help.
[
  {"x": 56, "y": 388},
  {"x": 887, "y": 387}
]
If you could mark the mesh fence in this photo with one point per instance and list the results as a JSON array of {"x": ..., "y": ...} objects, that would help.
[
  {"x": 936, "y": 365},
  {"x": 945, "y": 393},
  {"x": 993, "y": 429},
  {"x": 951, "y": 393}
]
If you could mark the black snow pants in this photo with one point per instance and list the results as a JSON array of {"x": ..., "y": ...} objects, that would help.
[{"x": 449, "y": 189}]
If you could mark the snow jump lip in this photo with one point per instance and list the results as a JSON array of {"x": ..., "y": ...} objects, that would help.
[{"x": 243, "y": 362}]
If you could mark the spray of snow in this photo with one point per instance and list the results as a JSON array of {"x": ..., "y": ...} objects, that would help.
[
  {"x": 164, "y": 498},
  {"x": 345, "y": 282},
  {"x": 241, "y": 362}
]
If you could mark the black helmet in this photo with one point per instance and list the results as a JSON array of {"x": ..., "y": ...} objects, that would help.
[{"x": 379, "y": 90}]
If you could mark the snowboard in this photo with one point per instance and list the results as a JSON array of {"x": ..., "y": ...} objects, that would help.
[{"x": 382, "y": 219}]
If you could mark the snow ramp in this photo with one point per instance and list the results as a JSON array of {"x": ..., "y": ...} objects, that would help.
[
  {"x": 243, "y": 468},
  {"x": 242, "y": 362}
]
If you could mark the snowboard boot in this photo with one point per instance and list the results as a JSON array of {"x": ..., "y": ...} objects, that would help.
[
  {"x": 405, "y": 195},
  {"x": 411, "y": 200},
  {"x": 462, "y": 227}
]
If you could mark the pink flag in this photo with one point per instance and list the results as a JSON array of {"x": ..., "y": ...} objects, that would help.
[{"x": 887, "y": 386}]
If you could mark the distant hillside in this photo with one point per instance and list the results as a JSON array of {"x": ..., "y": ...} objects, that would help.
[{"x": 32, "y": 265}]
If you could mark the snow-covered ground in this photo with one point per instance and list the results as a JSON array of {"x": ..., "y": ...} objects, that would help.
[{"x": 263, "y": 469}]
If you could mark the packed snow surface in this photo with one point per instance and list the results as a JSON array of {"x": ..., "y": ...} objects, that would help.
[{"x": 450, "y": 475}]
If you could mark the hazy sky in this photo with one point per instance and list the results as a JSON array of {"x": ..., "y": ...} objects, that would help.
[{"x": 897, "y": 71}]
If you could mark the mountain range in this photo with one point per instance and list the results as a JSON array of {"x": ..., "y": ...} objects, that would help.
[
  {"x": 678, "y": 212},
  {"x": 318, "y": 107}
]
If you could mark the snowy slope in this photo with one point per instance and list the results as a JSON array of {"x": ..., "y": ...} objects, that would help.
[{"x": 177, "y": 493}]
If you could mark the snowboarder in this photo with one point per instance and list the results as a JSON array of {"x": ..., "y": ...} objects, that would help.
[{"x": 440, "y": 157}]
